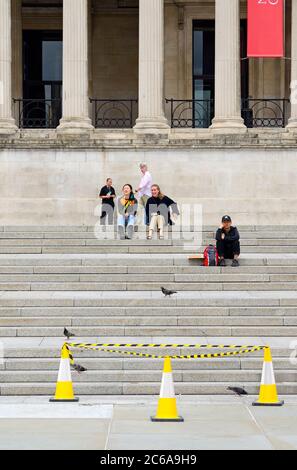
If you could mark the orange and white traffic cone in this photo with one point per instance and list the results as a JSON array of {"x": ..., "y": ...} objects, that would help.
[
  {"x": 268, "y": 392},
  {"x": 167, "y": 409},
  {"x": 64, "y": 389}
]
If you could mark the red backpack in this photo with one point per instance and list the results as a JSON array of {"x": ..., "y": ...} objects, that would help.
[{"x": 211, "y": 257}]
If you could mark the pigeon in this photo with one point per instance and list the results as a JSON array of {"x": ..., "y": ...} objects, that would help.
[
  {"x": 79, "y": 368},
  {"x": 167, "y": 292},
  {"x": 68, "y": 334},
  {"x": 238, "y": 390}
]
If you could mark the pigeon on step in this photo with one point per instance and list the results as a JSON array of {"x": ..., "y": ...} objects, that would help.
[
  {"x": 68, "y": 334},
  {"x": 238, "y": 390},
  {"x": 168, "y": 293},
  {"x": 79, "y": 368}
]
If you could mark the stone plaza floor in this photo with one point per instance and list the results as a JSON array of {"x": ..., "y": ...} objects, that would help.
[{"x": 123, "y": 423}]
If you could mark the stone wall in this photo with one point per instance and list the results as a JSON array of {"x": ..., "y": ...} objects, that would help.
[{"x": 256, "y": 186}]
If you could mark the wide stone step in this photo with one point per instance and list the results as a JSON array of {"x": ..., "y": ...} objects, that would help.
[
  {"x": 148, "y": 286},
  {"x": 98, "y": 278},
  {"x": 138, "y": 241},
  {"x": 156, "y": 330},
  {"x": 87, "y": 228},
  {"x": 120, "y": 376},
  {"x": 149, "y": 299},
  {"x": 49, "y": 348},
  {"x": 90, "y": 228},
  {"x": 263, "y": 231},
  {"x": 56, "y": 272},
  {"x": 89, "y": 232},
  {"x": 165, "y": 312},
  {"x": 140, "y": 364},
  {"x": 110, "y": 244},
  {"x": 111, "y": 388},
  {"x": 127, "y": 260},
  {"x": 148, "y": 320},
  {"x": 223, "y": 277},
  {"x": 134, "y": 249}
]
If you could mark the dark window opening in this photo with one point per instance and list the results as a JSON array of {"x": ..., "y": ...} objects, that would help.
[
  {"x": 204, "y": 70},
  {"x": 42, "y": 79}
]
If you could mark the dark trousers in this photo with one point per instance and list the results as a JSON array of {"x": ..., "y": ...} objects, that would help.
[
  {"x": 107, "y": 214},
  {"x": 227, "y": 249}
]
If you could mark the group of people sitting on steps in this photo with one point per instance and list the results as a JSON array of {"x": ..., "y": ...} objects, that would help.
[{"x": 158, "y": 211}]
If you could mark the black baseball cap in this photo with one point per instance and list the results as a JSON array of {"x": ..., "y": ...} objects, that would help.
[{"x": 226, "y": 218}]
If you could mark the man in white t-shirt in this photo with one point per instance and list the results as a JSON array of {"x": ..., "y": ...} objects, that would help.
[{"x": 144, "y": 190}]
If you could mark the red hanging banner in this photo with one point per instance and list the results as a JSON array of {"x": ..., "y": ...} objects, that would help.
[{"x": 265, "y": 28}]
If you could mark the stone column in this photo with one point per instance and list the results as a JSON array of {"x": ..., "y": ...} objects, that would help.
[
  {"x": 7, "y": 123},
  {"x": 151, "y": 117},
  {"x": 75, "y": 119},
  {"x": 292, "y": 124},
  {"x": 227, "y": 68},
  {"x": 17, "y": 57}
]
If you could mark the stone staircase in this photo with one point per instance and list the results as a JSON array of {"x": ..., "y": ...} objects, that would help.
[{"x": 106, "y": 290}]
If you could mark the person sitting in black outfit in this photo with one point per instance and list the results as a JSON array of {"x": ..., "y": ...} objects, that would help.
[
  {"x": 107, "y": 195},
  {"x": 160, "y": 211},
  {"x": 228, "y": 244}
]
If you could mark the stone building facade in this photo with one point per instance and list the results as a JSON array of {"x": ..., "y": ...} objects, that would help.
[{"x": 89, "y": 88}]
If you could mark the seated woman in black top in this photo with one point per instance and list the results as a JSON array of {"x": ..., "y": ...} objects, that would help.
[{"x": 160, "y": 210}]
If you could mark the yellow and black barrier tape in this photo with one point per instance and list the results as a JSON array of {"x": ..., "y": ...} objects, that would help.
[
  {"x": 163, "y": 345},
  {"x": 69, "y": 352},
  {"x": 241, "y": 351}
]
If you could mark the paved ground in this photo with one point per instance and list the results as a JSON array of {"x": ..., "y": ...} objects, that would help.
[{"x": 220, "y": 422}]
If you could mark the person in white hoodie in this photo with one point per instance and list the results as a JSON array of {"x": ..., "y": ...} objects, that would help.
[{"x": 144, "y": 192}]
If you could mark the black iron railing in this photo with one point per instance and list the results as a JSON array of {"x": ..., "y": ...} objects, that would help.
[
  {"x": 114, "y": 114},
  {"x": 191, "y": 113},
  {"x": 121, "y": 114},
  {"x": 38, "y": 113},
  {"x": 265, "y": 112}
]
